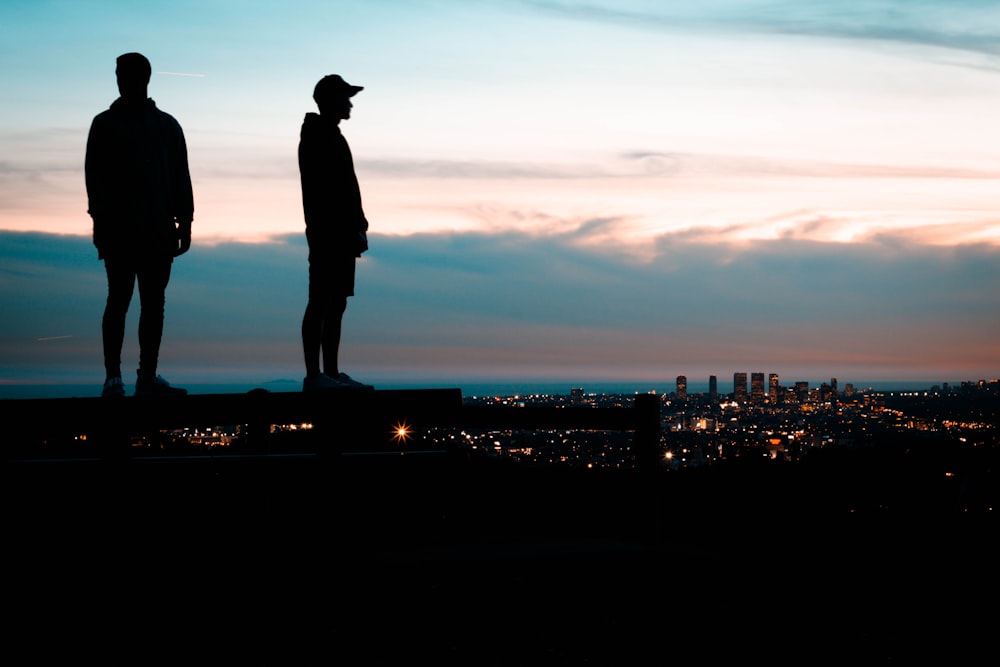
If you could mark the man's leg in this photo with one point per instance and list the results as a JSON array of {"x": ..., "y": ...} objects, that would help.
[
  {"x": 331, "y": 281},
  {"x": 324, "y": 310},
  {"x": 321, "y": 332},
  {"x": 153, "y": 275},
  {"x": 333, "y": 318},
  {"x": 121, "y": 284},
  {"x": 312, "y": 325},
  {"x": 341, "y": 287}
]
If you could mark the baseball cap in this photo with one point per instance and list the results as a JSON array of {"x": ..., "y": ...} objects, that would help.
[{"x": 334, "y": 84}]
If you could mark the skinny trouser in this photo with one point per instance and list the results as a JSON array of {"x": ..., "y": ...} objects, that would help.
[{"x": 152, "y": 274}]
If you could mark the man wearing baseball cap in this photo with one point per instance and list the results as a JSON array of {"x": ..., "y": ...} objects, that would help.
[{"x": 336, "y": 230}]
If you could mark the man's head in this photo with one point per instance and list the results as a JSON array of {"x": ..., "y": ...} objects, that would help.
[
  {"x": 133, "y": 71},
  {"x": 333, "y": 96}
]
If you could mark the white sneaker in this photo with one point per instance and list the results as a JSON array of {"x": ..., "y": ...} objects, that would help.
[
  {"x": 347, "y": 381},
  {"x": 156, "y": 386},
  {"x": 113, "y": 387},
  {"x": 319, "y": 382}
]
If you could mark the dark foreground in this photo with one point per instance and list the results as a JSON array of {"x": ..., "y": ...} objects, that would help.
[{"x": 439, "y": 559}]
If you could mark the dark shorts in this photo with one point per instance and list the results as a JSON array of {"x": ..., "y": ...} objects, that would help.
[{"x": 331, "y": 274}]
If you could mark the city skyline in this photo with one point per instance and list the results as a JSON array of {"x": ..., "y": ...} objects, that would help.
[{"x": 558, "y": 191}]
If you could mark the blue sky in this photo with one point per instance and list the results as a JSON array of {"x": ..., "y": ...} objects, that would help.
[{"x": 626, "y": 190}]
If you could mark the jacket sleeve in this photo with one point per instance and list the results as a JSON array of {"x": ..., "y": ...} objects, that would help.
[
  {"x": 182, "y": 197},
  {"x": 331, "y": 198},
  {"x": 94, "y": 174},
  {"x": 311, "y": 173}
]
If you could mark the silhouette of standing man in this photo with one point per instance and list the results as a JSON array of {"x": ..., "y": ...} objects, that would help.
[
  {"x": 140, "y": 200},
  {"x": 336, "y": 229}
]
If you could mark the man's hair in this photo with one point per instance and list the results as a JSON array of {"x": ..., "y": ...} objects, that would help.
[{"x": 134, "y": 63}]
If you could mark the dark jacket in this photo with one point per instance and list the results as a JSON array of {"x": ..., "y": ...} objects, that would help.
[
  {"x": 331, "y": 198},
  {"x": 138, "y": 183}
]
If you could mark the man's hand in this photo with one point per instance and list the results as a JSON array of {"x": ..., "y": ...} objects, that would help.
[{"x": 183, "y": 239}]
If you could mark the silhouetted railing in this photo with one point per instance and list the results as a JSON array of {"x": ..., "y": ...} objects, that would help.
[{"x": 342, "y": 421}]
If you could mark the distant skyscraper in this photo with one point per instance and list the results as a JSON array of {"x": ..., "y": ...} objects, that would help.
[
  {"x": 802, "y": 391},
  {"x": 773, "y": 387},
  {"x": 757, "y": 387},
  {"x": 833, "y": 386},
  {"x": 713, "y": 387},
  {"x": 740, "y": 387},
  {"x": 682, "y": 386}
]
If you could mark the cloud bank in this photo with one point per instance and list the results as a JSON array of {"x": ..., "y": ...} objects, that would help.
[{"x": 454, "y": 308}]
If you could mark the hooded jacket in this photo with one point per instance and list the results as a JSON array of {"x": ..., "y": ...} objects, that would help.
[
  {"x": 331, "y": 197},
  {"x": 138, "y": 183}
]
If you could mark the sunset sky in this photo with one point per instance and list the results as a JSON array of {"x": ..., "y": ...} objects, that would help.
[{"x": 586, "y": 191}]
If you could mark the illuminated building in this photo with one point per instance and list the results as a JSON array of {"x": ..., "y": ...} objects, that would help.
[
  {"x": 740, "y": 387},
  {"x": 802, "y": 391},
  {"x": 757, "y": 387}
]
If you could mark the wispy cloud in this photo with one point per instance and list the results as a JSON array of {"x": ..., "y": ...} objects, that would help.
[
  {"x": 964, "y": 25},
  {"x": 855, "y": 227},
  {"x": 476, "y": 169},
  {"x": 657, "y": 164},
  {"x": 660, "y": 164}
]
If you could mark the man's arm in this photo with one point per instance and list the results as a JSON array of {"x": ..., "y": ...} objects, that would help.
[
  {"x": 183, "y": 203},
  {"x": 183, "y": 238},
  {"x": 315, "y": 177},
  {"x": 93, "y": 175}
]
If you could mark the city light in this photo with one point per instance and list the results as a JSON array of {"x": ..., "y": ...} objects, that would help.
[{"x": 401, "y": 432}]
